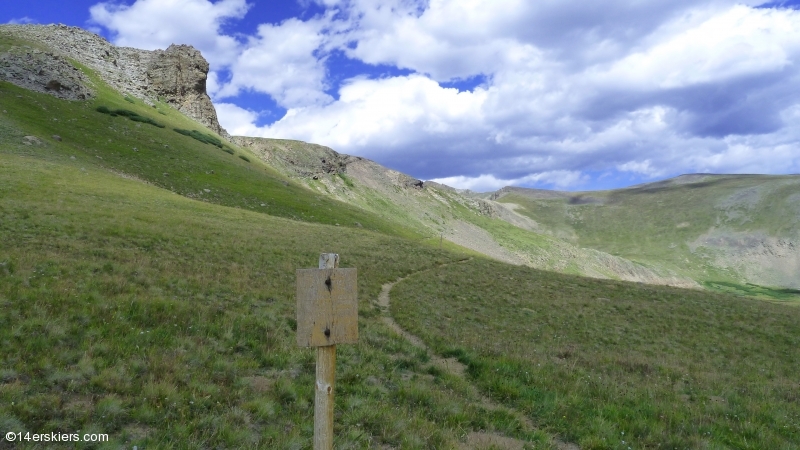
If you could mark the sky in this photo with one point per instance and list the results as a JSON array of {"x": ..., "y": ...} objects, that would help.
[{"x": 481, "y": 94}]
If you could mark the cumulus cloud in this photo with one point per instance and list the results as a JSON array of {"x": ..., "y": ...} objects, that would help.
[
  {"x": 570, "y": 91},
  {"x": 281, "y": 61},
  {"x": 736, "y": 43},
  {"x": 236, "y": 120},
  {"x": 392, "y": 112}
]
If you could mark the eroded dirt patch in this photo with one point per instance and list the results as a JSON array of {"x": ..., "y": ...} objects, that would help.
[{"x": 481, "y": 441}]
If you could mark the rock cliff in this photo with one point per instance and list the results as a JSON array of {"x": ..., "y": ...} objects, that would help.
[{"x": 176, "y": 75}]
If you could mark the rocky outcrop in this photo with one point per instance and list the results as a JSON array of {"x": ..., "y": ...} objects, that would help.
[
  {"x": 439, "y": 186},
  {"x": 312, "y": 161},
  {"x": 176, "y": 75},
  {"x": 535, "y": 194},
  {"x": 297, "y": 158},
  {"x": 413, "y": 183},
  {"x": 758, "y": 257},
  {"x": 42, "y": 71}
]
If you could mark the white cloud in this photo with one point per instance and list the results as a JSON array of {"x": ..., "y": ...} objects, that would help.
[
  {"x": 646, "y": 89},
  {"x": 156, "y": 24},
  {"x": 385, "y": 113},
  {"x": 281, "y": 61},
  {"x": 446, "y": 39},
  {"x": 738, "y": 42},
  {"x": 557, "y": 179},
  {"x": 21, "y": 21},
  {"x": 236, "y": 120},
  {"x": 640, "y": 167},
  {"x": 481, "y": 183}
]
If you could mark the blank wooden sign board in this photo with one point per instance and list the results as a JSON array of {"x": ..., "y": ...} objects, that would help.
[
  {"x": 327, "y": 307},
  {"x": 327, "y": 314}
]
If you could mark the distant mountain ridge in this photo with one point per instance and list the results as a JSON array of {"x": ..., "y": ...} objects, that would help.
[{"x": 743, "y": 228}]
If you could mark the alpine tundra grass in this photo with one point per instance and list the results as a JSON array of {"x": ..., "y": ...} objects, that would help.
[
  {"x": 613, "y": 365},
  {"x": 167, "y": 322}
]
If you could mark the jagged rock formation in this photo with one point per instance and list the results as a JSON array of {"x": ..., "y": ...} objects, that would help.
[{"x": 176, "y": 75}]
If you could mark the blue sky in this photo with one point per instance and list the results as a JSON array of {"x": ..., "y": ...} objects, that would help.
[{"x": 481, "y": 94}]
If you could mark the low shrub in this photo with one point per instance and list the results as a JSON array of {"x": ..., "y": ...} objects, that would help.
[
  {"x": 126, "y": 113},
  {"x": 205, "y": 138},
  {"x": 129, "y": 114},
  {"x": 244, "y": 158},
  {"x": 146, "y": 120}
]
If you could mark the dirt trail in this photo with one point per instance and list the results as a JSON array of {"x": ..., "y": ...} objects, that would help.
[{"x": 475, "y": 440}]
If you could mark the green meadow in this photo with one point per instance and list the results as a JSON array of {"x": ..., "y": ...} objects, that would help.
[
  {"x": 613, "y": 365},
  {"x": 168, "y": 322}
]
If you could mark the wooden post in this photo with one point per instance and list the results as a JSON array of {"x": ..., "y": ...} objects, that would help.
[
  {"x": 327, "y": 314},
  {"x": 326, "y": 375}
]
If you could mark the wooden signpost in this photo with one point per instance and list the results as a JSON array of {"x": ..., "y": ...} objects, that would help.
[{"x": 327, "y": 314}]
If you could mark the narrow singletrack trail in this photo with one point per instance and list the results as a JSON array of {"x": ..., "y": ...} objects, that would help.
[{"x": 475, "y": 440}]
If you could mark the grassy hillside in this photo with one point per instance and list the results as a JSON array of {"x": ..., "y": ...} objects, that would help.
[
  {"x": 225, "y": 175},
  {"x": 439, "y": 212},
  {"x": 165, "y": 321},
  {"x": 614, "y": 365},
  {"x": 733, "y": 229}
]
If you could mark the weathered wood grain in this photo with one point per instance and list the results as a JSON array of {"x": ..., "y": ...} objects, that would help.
[{"x": 327, "y": 307}]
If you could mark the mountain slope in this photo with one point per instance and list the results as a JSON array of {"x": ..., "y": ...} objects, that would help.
[
  {"x": 211, "y": 170},
  {"x": 441, "y": 212},
  {"x": 728, "y": 228}
]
